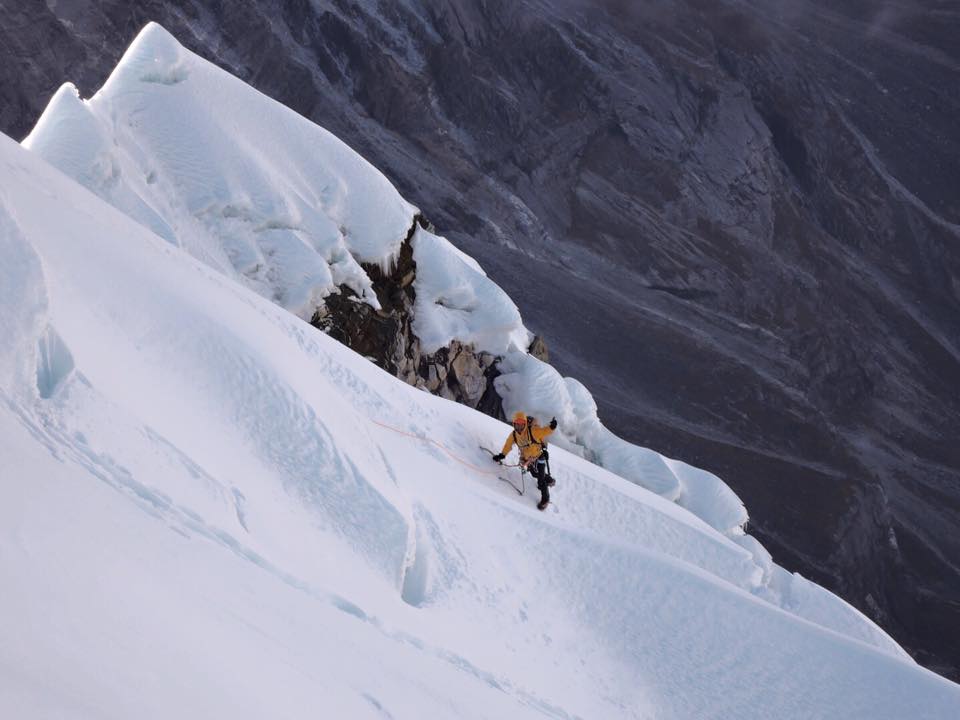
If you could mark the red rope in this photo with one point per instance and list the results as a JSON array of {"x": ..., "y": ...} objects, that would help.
[{"x": 442, "y": 447}]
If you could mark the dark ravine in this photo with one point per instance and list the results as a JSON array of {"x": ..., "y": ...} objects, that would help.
[{"x": 738, "y": 222}]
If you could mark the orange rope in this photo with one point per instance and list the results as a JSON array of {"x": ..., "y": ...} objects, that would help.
[{"x": 442, "y": 447}]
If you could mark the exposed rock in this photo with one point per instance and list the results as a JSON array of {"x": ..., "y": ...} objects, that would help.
[
  {"x": 469, "y": 373},
  {"x": 538, "y": 348},
  {"x": 457, "y": 372}
]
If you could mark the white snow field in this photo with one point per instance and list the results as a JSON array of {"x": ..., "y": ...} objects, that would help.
[
  {"x": 210, "y": 509},
  {"x": 277, "y": 203}
]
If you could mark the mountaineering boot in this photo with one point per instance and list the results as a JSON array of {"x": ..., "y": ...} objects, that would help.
[{"x": 544, "y": 492}]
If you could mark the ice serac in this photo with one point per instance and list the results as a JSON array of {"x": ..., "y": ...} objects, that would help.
[
  {"x": 240, "y": 181},
  {"x": 268, "y": 198},
  {"x": 224, "y": 492},
  {"x": 457, "y": 301}
]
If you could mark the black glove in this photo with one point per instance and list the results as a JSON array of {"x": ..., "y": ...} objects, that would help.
[
  {"x": 498, "y": 457},
  {"x": 553, "y": 424}
]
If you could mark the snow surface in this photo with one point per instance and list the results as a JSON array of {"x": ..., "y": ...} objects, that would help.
[
  {"x": 457, "y": 301},
  {"x": 211, "y": 509}
]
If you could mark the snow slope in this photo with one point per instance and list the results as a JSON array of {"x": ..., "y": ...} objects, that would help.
[
  {"x": 210, "y": 509},
  {"x": 271, "y": 200}
]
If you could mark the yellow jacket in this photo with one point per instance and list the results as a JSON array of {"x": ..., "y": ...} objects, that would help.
[{"x": 529, "y": 442}]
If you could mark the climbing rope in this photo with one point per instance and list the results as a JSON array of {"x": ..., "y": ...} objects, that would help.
[{"x": 447, "y": 450}]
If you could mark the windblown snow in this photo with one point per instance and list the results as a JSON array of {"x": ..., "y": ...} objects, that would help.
[{"x": 211, "y": 509}]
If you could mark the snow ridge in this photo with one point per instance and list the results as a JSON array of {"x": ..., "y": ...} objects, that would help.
[{"x": 239, "y": 181}]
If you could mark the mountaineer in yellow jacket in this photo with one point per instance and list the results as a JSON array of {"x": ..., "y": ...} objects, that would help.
[{"x": 530, "y": 440}]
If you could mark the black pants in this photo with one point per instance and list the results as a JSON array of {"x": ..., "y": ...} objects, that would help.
[{"x": 539, "y": 470}]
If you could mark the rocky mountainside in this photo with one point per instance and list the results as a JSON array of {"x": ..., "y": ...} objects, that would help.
[{"x": 737, "y": 222}]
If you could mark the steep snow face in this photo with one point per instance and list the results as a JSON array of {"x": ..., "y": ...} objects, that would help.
[
  {"x": 240, "y": 181},
  {"x": 264, "y": 196},
  {"x": 211, "y": 509},
  {"x": 288, "y": 444}
]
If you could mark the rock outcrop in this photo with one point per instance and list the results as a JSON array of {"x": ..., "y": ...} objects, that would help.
[{"x": 458, "y": 372}]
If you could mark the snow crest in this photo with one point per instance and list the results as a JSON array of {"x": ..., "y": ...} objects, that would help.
[
  {"x": 457, "y": 301},
  {"x": 238, "y": 180}
]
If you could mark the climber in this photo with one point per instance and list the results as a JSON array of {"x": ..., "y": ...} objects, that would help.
[{"x": 530, "y": 440}]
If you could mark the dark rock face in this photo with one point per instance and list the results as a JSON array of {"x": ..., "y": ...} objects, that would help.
[
  {"x": 738, "y": 222},
  {"x": 457, "y": 372}
]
